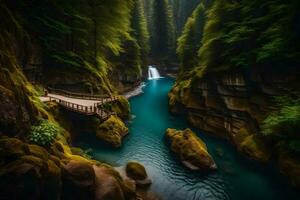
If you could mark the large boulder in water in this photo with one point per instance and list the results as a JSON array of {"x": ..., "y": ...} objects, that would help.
[
  {"x": 136, "y": 171},
  {"x": 112, "y": 131},
  {"x": 191, "y": 150}
]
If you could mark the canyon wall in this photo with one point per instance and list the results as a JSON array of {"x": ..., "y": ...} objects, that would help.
[{"x": 233, "y": 104}]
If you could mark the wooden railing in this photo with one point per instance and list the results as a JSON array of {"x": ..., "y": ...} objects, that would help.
[
  {"x": 77, "y": 95},
  {"x": 86, "y": 110}
]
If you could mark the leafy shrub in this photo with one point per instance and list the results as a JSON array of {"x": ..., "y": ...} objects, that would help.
[
  {"x": 284, "y": 124},
  {"x": 44, "y": 133}
]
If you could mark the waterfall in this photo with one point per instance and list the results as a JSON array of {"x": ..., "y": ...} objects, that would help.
[{"x": 153, "y": 73}]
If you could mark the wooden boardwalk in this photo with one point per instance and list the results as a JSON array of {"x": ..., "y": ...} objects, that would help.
[{"x": 81, "y": 103}]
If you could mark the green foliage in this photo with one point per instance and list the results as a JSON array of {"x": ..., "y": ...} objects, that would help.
[
  {"x": 77, "y": 33},
  {"x": 163, "y": 35},
  {"x": 139, "y": 27},
  {"x": 190, "y": 40},
  {"x": 243, "y": 34},
  {"x": 182, "y": 11},
  {"x": 44, "y": 133},
  {"x": 284, "y": 123}
]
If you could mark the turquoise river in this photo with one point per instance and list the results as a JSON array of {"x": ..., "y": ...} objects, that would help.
[{"x": 236, "y": 178}]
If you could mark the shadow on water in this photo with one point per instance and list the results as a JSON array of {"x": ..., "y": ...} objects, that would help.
[{"x": 236, "y": 178}]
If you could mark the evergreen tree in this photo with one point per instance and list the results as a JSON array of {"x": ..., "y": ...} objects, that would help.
[
  {"x": 163, "y": 38},
  {"x": 190, "y": 40},
  {"x": 182, "y": 9},
  {"x": 139, "y": 27}
]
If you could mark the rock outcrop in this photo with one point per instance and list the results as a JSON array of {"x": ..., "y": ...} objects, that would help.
[
  {"x": 137, "y": 172},
  {"x": 191, "y": 150},
  {"x": 230, "y": 105},
  {"x": 233, "y": 104},
  {"x": 28, "y": 170},
  {"x": 112, "y": 131}
]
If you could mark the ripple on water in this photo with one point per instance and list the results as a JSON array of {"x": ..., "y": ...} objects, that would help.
[{"x": 171, "y": 180}]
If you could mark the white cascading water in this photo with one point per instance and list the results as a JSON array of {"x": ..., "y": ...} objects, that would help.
[{"x": 153, "y": 73}]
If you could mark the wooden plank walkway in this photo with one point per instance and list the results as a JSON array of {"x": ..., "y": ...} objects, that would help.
[{"x": 81, "y": 103}]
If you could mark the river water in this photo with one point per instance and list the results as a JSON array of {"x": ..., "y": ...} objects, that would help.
[{"x": 236, "y": 177}]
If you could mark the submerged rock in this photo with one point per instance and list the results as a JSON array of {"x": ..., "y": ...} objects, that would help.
[
  {"x": 191, "y": 150},
  {"x": 112, "y": 131}
]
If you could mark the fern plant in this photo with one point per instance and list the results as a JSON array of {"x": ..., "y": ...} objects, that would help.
[
  {"x": 44, "y": 133},
  {"x": 283, "y": 124}
]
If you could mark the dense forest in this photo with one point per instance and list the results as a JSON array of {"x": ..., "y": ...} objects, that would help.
[{"x": 69, "y": 70}]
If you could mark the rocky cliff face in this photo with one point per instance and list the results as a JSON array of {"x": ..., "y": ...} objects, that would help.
[
  {"x": 32, "y": 171},
  {"x": 233, "y": 104}
]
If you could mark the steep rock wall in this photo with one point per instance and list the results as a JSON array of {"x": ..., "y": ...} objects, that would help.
[{"x": 233, "y": 104}]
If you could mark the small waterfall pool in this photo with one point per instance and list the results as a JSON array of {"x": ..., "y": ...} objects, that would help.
[{"x": 236, "y": 177}]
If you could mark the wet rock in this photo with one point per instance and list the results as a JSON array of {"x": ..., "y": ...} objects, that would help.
[
  {"x": 137, "y": 172},
  {"x": 191, "y": 150},
  {"x": 112, "y": 131}
]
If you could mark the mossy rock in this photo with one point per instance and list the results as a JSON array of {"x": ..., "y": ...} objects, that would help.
[
  {"x": 191, "y": 150},
  {"x": 252, "y": 146},
  {"x": 121, "y": 107},
  {"x": 79, "y": 180},
  {"x": 111, "y": 131},
  {"x": 11, "y": 149},
  {"x": 38, "y": 151},
  {"x": 136, "y": 171},
  {"x": 38, "y": 162}
]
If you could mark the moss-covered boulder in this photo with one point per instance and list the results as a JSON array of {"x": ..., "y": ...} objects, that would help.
[
  {"x": 27, "y": 171},
  {"x": 120, "y": 106},
  {"x": 108, "y": 184},
  {"x": 78, "y": 180},
  {"x": 136, "y": 171},
  {"x": 112, "y": 131},
  {"x": 191, "y": 150},
  {"x": 250, "y": 145}
]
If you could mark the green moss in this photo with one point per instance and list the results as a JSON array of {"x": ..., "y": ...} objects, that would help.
[
  {"x": 251, "y": 145},
  {"x": 80, "y": 152},
  {"x": 35, "y": 161},
  {"x": 191, "y": 150},
  {"x": 38, "y": 151},
  {"x": 11, "y": 149},
  {"x": 112, "y": 131},
  {"x": 121, "y": 107}
]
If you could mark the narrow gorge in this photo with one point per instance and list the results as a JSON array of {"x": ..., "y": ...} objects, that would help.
[{"x": 149, "y": 99}]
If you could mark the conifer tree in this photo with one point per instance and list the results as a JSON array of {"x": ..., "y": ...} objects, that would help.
[
  {"x": 190, "y": 40},
  {"x": 163, "y": 38},
  {"x": 139, "y": 27}
]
